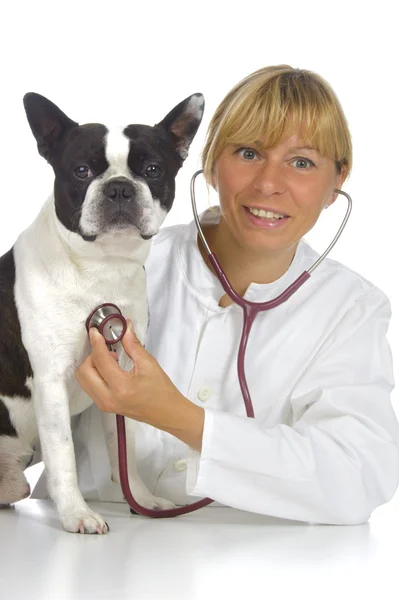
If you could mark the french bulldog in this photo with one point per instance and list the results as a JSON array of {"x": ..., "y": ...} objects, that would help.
[{"x": 88, "y": 245}]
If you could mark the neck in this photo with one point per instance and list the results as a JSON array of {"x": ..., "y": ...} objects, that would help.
[
  {"x": 241, "y": 265},
  {"x": 120, "y": 249}
]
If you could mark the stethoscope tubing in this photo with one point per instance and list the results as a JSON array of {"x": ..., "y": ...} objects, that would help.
[{"x": 250, "y": 311}]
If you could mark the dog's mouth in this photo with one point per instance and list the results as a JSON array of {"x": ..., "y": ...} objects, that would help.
[
  {"x": 119, "y": 225},
  {"x": 123, "y": 220},
  {"x": 138, "y": 219}
]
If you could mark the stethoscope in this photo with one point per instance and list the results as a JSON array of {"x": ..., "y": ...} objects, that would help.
[{"x": 108, "y": 319}]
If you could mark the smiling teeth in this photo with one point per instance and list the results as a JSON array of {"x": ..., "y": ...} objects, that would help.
[{"x": 265, "y": 214}]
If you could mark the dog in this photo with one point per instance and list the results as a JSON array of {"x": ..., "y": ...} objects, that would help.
[{"x": 113, "y": 188}]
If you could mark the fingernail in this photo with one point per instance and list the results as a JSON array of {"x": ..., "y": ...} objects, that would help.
[
  {"x": 130, "y": 326},
  {"x": 93, "y": 332}
]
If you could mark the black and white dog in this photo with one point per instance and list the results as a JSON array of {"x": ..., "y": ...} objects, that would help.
[{"x": 113, "y": 188}]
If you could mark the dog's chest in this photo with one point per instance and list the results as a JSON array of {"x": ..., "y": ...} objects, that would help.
[{"x": 53, "y": 319}]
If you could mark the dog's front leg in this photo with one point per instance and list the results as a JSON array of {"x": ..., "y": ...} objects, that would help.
[
  {"x": 53, "y": 420},
  {"x": 139, "y": 491}
]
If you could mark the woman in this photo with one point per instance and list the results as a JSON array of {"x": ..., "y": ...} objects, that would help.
[{"x": 324, "y": 446}]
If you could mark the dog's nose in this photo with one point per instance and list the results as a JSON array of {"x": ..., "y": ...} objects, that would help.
[{"x": 119, "y": 189}]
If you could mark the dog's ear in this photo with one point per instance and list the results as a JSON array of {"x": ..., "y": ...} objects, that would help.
[
  {"x": 47, "y": 122},
  {"x": 183, "y": 121}
]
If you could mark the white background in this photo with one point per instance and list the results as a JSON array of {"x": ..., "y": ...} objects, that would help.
[{"x": 132, "y": 62}]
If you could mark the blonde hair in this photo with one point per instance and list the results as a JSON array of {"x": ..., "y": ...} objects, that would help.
[{"x": 273, "y": 103}]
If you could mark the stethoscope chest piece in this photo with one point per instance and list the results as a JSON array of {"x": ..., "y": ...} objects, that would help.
[{"x": 109, "y": 321}]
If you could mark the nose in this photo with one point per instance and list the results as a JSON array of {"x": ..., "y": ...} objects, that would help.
[
  {"x": 269, "y": 179},
  {"x": 120, "y": 189}
]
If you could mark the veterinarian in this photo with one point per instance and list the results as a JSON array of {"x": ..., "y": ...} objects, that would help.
[{"x": 324, "y": 444}]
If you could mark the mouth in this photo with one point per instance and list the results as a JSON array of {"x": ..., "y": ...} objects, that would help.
[
  {"x": 265, "y": 218},
  {"x": 122, "y": 221}
]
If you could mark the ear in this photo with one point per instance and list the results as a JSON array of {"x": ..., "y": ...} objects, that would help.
[
  {"x": 183, "y": 121},
  {"x": 214, "y": 182},
  {"x": 339, "y": 183},
  {"x": 47, "y": 122}
]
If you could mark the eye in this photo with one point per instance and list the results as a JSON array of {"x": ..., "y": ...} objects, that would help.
[
  {"x": 152, "y": 171},
  {"x": 247, "y": 153},
  {"x": 83, "y": 172},
  {"x": 303, "y": 163}
]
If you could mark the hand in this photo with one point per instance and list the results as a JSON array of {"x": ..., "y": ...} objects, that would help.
[{"x": 144, "y": 394}]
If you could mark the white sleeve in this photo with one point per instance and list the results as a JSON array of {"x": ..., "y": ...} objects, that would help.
[{"x": 340, "y": 458}]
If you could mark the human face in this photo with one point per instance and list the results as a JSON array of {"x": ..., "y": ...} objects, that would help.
[{"x": 291, "y": 179}]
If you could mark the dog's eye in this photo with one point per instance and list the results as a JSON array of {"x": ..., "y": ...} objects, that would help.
[
  {"x": 83, "y": 172},
  {"x": 152, "y": 171}
]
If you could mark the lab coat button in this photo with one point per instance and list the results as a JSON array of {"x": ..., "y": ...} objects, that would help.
[
  {"x": 204, "y": 394},
  {"x": 179, "y": 466}
]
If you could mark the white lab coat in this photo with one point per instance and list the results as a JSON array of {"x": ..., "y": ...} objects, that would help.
[{"x": 324, "y": 444}]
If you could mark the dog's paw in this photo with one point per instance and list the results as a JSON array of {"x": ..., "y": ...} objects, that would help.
[
  {"x": 156, "y": 503},
  {"x": 153, "y": 502},
  {"x": 13, "y": 489},
  {"x": 162, "y": 504},
  {"x": 84, "y": 521}
]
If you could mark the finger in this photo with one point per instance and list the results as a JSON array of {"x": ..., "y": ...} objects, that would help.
[
  {"x": 132, "y": 346},
  {"x": 93, "y": 384},
  {"x": 105, "y": 363},
  {"x": 88, "y": 364}
]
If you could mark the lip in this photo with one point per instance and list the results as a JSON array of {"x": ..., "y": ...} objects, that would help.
[
  {"x": 266, "y": 208},
  {"x": 269, "y": 224}
]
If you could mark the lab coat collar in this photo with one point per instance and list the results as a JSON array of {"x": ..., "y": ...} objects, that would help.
[{"x": 208, "y": 287}]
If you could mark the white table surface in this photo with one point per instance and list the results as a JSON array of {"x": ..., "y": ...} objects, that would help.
[{"x": 216, "y": 552}]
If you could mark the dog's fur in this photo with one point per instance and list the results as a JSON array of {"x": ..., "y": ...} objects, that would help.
[{"x": 88, "y": 245}]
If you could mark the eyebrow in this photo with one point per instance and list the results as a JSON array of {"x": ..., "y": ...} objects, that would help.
[{"x": 294, "y": 149}]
